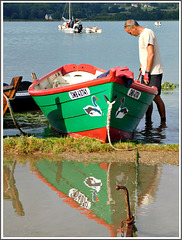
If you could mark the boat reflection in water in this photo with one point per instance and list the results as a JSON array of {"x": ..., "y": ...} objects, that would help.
[{"x": 91, "y": 188}]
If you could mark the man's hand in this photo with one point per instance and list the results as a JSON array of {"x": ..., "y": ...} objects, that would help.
[
  {"x": 146, "y": 77},
  {"x": 140, "y": 70}
]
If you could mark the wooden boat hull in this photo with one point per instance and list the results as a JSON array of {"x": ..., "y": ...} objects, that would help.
[
  {"x": 81, "y": 109},
  {"x": 10, "y": 91},
  {"x": 23, "y": 101}
]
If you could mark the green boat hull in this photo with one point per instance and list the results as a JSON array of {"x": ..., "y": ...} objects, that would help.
[
  {"x": 94, "y": 108},
  {"x": 67, "y": 116}
]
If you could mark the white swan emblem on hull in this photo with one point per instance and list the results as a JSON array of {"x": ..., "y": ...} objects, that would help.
[
  {"x": 93, "y": 111},
  {"x": 122, "y": 111}
]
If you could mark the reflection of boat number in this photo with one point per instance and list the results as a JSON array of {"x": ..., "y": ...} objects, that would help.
[
  {"x": 79, "y": 198},
  {"x": 134, "y": 93}
]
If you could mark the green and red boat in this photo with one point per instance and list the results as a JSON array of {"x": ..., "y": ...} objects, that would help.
[{"x": 83, "y": 100}]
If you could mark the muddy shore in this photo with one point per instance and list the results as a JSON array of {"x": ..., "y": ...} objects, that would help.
[
  {"x": 144, "y": 157},
  {"x": 147, "y": 157}
]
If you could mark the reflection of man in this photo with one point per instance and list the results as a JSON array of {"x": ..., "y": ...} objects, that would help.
[
  {"x": 10, "y": 191},
  {"x": 151, "y": 65}
]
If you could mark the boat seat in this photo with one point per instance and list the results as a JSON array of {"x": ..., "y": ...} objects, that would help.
[
  {"x": 45, "y": 84},
  {"x": 82, "y": 67},
  {"x": 77, "y": 77},
  {"x": 87, "y": 68},
  {"x": 7, "y": 88},
  {"x": 68, "y": 68}
]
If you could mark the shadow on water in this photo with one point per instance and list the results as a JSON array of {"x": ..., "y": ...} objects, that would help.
[
  {"x": 151, "y": 134},
  {"x": 26, "y": 120},
  {"x": 35, "y": 123},
  {"x": 87, "y": 187}
]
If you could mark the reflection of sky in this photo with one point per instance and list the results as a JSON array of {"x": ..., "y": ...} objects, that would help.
[{"x": 165, "y": 207}]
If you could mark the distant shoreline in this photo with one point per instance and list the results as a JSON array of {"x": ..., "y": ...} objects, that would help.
[{"x": 172, "y": 20}]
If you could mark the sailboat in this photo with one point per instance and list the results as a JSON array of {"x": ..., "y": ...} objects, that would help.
[{"x": 71, "y": 25}]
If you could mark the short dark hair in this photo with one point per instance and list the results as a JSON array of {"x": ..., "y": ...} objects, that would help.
[{"x": 130, "y": 23}]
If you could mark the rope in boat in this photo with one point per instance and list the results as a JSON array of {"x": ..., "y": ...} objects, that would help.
[
  {"x": 110, "y": 105},
  {"x": 12, "y": 114}
]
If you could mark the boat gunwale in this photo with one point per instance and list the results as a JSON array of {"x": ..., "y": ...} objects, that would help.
[{"x": 88, "y": 83}]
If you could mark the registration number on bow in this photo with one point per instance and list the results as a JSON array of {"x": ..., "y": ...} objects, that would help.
[
  {"x": 79, "y": 93},
  {"x": 134, "y": 93}
]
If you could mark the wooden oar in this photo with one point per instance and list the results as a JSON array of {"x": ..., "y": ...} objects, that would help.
[{"x": 138, "y": 76}]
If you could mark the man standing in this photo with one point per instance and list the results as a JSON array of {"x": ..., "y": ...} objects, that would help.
[{"x": 150, "y": 63}]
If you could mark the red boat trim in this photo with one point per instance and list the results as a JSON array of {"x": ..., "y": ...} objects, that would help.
[
  {"x": 88, "y": 68},
  {"x": 82, "y": 67},
  {"x": 141, "y": 87},
  {"x": 101, "y": 134}
]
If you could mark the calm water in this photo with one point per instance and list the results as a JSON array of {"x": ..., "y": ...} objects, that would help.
[
  {"x": 40, "y": 47},
  {"x": 38, "y": 195},
  {"x": 77, "y": 199}
]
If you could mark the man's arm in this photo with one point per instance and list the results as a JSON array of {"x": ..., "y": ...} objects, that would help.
[{"x": 150, "y": 57}]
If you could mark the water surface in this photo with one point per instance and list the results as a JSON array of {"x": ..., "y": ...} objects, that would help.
[
  {"x": 39, "y": 198},
  {"x": 44, "y": 198},
  {"x": 40, "y": 47}
]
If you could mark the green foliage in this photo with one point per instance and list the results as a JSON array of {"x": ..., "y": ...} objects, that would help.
[
  {"x": 91, "y": 11},
  {"x": 167, "y": 86}
]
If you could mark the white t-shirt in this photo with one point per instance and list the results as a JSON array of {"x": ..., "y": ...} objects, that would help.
[{"x": 145, "y": 38}]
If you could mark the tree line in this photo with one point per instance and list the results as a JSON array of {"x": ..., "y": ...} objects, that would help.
[{"x": 91, "y": 11}]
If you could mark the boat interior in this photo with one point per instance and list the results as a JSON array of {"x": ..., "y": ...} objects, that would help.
[{"x": 68, "y": 75}]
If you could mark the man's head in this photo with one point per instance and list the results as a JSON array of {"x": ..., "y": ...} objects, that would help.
[{"x": 132, "y": 27}]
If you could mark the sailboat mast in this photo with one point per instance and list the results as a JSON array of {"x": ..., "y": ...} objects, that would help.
[{"x": 69, "y": 11}]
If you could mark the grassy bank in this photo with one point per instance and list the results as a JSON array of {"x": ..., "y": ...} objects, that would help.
[{"x": 33, "y": 145}]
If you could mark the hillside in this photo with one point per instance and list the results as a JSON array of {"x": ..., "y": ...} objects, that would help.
[{"x": 90, "y": 11}]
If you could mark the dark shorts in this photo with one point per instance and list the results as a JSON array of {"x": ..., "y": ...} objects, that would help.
[{"x": 154, "y": 80}]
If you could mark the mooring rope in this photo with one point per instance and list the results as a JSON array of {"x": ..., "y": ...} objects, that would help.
[
  {"x": 12, "y": 114},
  {"x": 110, "y": 105}
]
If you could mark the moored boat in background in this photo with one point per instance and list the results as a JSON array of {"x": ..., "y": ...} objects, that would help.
[
  {"x": 9, "y": 92},
  {"x": 94, "y": 29},
  {"x": 70, "y": 25},
  {"x": 157, "y": 24},
  {"x": 23, "y": 101},
  {"x": 77, "y": 99}
]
